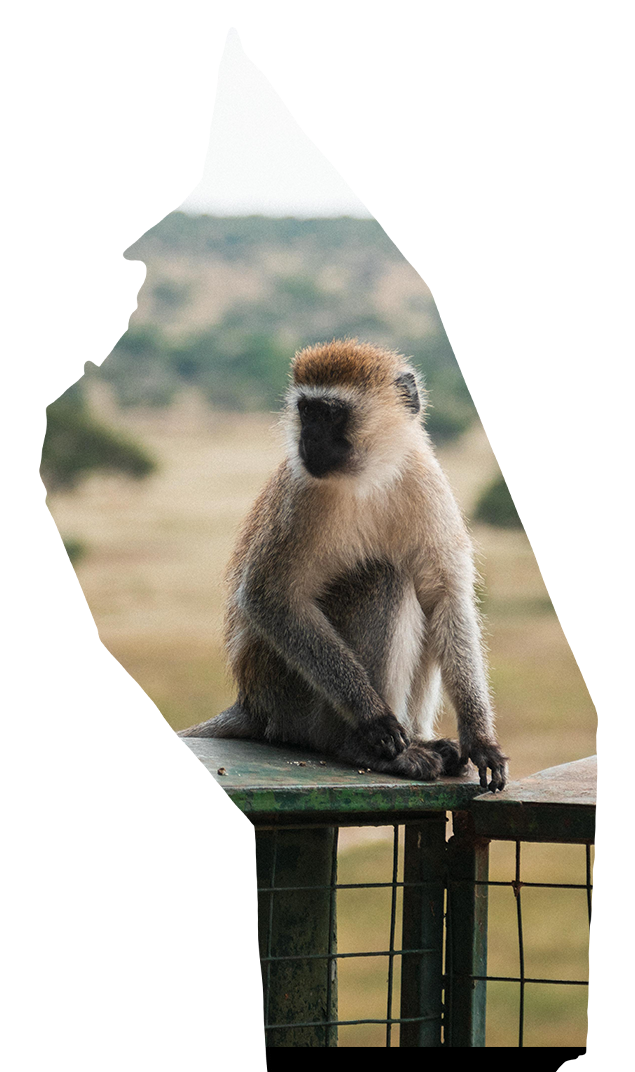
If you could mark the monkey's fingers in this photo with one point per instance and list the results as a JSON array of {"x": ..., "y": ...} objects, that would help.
[
  {"x": 386, "y": 736},
  {"x": 488, "y": 755}
]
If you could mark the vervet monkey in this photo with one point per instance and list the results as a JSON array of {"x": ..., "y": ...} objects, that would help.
[{"x": 351, "y": 601}]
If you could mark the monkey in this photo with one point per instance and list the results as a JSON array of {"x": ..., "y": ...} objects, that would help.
[{"x": 352, "y": 608}]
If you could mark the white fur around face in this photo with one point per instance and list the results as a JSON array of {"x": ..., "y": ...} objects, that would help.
[{"x": 333, "y": 393}]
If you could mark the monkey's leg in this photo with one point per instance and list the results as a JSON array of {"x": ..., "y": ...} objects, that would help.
[
  {"x": 424, "y": 702},
  {"x": 300, "y": 632},
  {"x": 376, "y": 611},
  {"x": 373, "y": 608},
  {"x": 417, "y": 760},
  {"x": 234, "y": 722}
]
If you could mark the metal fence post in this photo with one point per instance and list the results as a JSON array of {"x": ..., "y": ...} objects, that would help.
[
  {"x": 297, "y": 932},
  {"x": 422, "y": 972},
  {"x": 466, "y": 936}
]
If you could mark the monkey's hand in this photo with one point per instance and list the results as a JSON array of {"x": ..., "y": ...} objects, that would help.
[
  {"x": 485, "y": 753},
  {"x": 385, "y": 735}
]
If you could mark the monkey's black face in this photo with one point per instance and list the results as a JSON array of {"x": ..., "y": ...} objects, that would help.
[{"x": 324, "y": 446}]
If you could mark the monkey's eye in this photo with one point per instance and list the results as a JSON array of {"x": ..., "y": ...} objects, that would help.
[
  {"x": 323, "y": 411},
  {"x": 337, "y": 414}
]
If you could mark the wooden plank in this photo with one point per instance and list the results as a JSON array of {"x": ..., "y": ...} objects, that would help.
[
  {"x": 570, "y": 783},
  {"x": 556, "y": 804},
  {"x": 265, "y": 780}
]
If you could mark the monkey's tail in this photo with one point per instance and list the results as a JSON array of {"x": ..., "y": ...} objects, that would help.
[{"x": 234, "y": 722}]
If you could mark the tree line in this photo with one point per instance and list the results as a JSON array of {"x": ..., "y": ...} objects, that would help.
[{"x": 239, "y": 361}]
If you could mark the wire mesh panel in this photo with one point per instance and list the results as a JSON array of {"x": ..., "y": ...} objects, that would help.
[
  {"x": 538, "y": 944},
  {"x": 441, "y": 938},
  {"x": 400, "y": 957},
  {"x": 303, "y": 969},
  {"x": 539, "y": 892}
]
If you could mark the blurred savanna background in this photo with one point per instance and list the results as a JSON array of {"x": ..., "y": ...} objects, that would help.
[{"x": 152, "y": 461}]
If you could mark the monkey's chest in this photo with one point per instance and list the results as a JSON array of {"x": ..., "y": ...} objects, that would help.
[{"x": 375, "y": 610}]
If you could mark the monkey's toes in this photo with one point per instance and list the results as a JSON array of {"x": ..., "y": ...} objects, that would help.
[
  {"x": 450, "y": 755},
  {"x": 419, "y": 762}
]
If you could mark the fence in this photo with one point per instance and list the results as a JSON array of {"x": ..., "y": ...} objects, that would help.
[{"x": 435, "y": 898}]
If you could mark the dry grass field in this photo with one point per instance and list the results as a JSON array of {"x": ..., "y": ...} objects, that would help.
[
  {"x": 156, "y": 552},
  {"x": 152, "y": 576}
]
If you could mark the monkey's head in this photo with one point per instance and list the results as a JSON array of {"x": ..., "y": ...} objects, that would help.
[{"x": 352, "y": 410}]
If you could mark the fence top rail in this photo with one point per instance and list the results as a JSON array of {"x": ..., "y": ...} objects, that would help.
[
  {"x": 556, "y": 804},
  {"x": 273, "y": 783},
  {"x": 267, "y": 780}
]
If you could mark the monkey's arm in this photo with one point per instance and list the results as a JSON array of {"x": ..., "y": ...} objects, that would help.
[
  {"x": 454, "y": 635},
  {"x": 297, "y": 629}
]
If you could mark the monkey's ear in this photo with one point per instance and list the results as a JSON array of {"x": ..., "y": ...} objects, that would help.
[{"x": 407, "y": 387}]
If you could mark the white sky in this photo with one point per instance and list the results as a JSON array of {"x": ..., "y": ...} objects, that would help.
[{"x": 259, "y": 160}]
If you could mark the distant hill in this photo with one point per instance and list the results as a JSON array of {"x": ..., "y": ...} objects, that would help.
[{"x": 227, "y": 301}]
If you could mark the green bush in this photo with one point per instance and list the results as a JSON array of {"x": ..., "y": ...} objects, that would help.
[
  {"x": 76, "y": 444},
  {"x": 496, "y": 506}
]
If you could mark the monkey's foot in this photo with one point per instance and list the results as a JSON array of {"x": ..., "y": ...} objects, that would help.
[
  {"x": 418, "y": 761},
  {"x": 424, "y": 760},
  {"x": 450, "y": 754}
]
